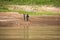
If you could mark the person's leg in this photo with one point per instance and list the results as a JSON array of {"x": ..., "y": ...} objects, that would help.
[
  {"x": 27, "y": 18},
  {"x": 24, "y": 17}
]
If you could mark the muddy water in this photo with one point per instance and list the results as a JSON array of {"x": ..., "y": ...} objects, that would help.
[{"x": 30, "y": 33}]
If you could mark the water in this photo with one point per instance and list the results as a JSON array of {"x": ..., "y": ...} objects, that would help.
[{"x": 30, "y": 33}]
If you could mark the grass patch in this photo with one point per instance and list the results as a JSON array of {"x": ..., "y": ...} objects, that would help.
[
  {"x": 31, "y": 2},
  {"x": 39, "y": 13},
  {"x": 30, "y": 13}
]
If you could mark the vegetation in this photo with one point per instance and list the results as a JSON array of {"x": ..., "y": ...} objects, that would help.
[
  {"x": 39, "y": 13},
  {"x": 31, "y": 13},
  {"x": 3, "y": 4},
  {"x": 34, "y": 2}
]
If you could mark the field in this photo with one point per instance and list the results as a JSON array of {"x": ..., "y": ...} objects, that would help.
[{"x": 13, "y": 27}]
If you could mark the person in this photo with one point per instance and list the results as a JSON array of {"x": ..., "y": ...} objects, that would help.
[
  {"x": 24, "y": 17},
  {"x": 27, "y": 17}
]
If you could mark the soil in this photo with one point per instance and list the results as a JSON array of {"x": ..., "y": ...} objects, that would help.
[{"x": 10, "y": 19}]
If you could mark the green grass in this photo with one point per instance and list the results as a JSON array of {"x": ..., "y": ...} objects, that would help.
[
  {"x": 30, "y": 2},
  {"x": 39, "y": 13},
  {"x": 30, "y": 13}
]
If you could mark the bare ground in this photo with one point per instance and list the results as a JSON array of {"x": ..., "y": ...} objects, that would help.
[
  {"x": 35, "y": 8},
  {"x": 13, "y": 18}
]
